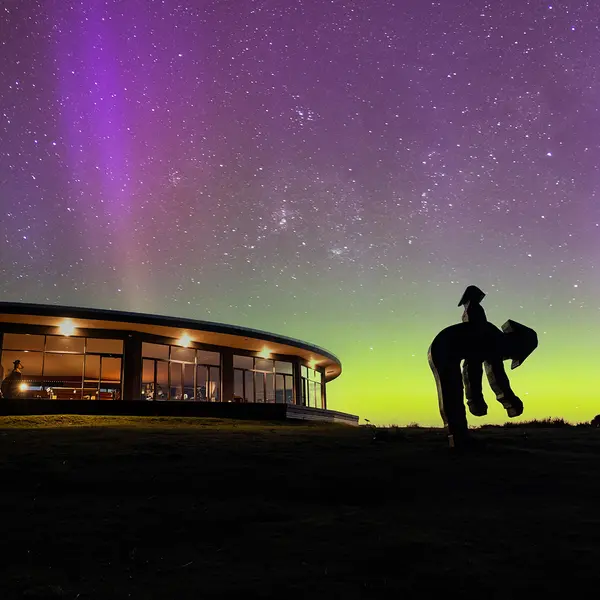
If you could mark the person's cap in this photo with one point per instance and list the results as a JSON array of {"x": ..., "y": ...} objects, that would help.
[
  {"x": 17, "y": 362},
  {"x": 472, "y": 294},
  {"x": 524, "y": 340}
]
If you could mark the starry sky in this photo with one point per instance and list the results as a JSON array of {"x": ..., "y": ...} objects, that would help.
[{"x": 332, "y": 170}]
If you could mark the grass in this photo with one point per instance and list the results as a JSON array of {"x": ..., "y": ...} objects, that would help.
[{"x": 119, "y": 507}]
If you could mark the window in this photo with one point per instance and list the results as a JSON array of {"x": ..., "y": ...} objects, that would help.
[
  {"x": 100, "y": 346},
  {"x": 259, "y": 379},
  {"x": 155, "y": 351},
  {"x": 312, "y": 380},
  {"x": 61, "y": 343},
  {"x": 23, "y": 341},
  {"x": 178, "y": 373}
]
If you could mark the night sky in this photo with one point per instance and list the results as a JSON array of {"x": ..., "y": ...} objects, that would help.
[{"x": 336, "y": 171}]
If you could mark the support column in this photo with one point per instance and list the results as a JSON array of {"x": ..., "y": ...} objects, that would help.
[
  {"x": 297, "y": 376},
  {"x": 132, "y": 367},
  {"x": 323, "y": 391},
  {"x": 227, "y": 376},
  {"x": 2, "y": 373}
]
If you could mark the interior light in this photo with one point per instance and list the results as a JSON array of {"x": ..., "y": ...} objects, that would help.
[
  {"x": 67, "y": 327},
  {"x": 264, "y": 353},
  {"x": 22, "y": 387},
  {"x": 185, "y": 340},
  {"x": 312, "y": 363}
]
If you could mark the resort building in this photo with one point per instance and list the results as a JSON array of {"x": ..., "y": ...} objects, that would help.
[{"x": 81, "y": 356}]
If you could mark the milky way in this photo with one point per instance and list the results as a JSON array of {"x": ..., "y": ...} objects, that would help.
[{"x": 334, "y": 171}]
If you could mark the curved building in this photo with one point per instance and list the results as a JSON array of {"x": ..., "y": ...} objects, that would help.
[{"x": 152, "y": 364}]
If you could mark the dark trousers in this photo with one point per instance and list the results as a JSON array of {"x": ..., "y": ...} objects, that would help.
[{"x": 449, "y": 383}]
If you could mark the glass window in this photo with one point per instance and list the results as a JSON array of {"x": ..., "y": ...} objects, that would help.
[
  {"x": 188, "y": 381},
  {"x": 304, "y": 371},
  {"x": 214, "y": 384},
  {"x": 279, "y": 389},
  {"x": 283, "y": 367},
  {"x": 111, "y": 369},
  {"x": 259, "y": 387},
  {"x": 263, "y": 364},
  {"x": 318, "y": 402},
  {"x": 104, "y": 346},
  {"x": 201, "y": 382},
  {"x": 249, "y": 375},
  {"x": 176, "y": 381},
  {"x": 63, "y": 374},
  {"x": 289, "y": 390},
  {"x": 23, "y": 341},
  {"x": 32, "y": 364},
  {"x": 205, "y": 357},
  {"x": 155, "y": 351},
  {"x": 182, "y": 354},
  {"x": 110, "y": 384},
  {"x": 238, "y": 385},
  {"x": 162, "y": 380},
  {"x": 148, "y": 379},
  {"x": 243, "y": 362},
  {"x": 61, "y": 343},
  {"x": 270, "y": 390},
  {"x": 92, "y": 368}
]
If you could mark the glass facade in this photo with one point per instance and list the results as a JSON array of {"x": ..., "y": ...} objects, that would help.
[
  {"x": 65, "y": 367},
  {"x": 312, "y": 382},
  {"x": 177, "y": 373},
  {"x": 82, "y": 367},
  {"x": 262, "y": 380}
]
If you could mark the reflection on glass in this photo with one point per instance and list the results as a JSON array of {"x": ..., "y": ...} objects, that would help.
[{"x": 263, "y": 364}]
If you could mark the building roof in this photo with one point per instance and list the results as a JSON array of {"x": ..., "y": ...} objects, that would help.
[{"x": 206, "y": 332}]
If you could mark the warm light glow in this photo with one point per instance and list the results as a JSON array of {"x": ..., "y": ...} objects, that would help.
[
  {"x": 67, "y": 327},
  {"x": 312, "y": 363},
  {"x": 265, "y": 353},
  {"x": 22, "y": 387},
  {"x": 185, "y": 340}
]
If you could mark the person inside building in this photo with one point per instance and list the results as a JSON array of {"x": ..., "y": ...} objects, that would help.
[
  {"x": 482, "y": 346},
  {"x": 12, "y": 384}
]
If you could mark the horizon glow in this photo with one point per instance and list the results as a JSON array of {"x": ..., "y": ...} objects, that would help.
[{"x": 335, "y": 176}]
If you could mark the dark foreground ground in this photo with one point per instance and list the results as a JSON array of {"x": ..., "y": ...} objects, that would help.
[{"x": 96, "y": 507}]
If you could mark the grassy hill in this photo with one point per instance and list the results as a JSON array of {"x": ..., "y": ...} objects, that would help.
[{"x": 108, "y": 507}]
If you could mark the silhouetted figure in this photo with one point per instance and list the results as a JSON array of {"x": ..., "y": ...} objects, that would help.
[
  {"x": 475, "y": 315},
  {"x": 11, "y": 386},
  {"x": 471, "y": 300},
  {"x": 477, "y": 346}
]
